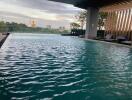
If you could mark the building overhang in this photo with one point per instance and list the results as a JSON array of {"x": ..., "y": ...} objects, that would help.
[{"x": 91, "y": 3}]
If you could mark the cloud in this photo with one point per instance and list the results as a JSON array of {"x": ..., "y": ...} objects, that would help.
[
  {"x": 46, "y": 5},
  {"x": 34, "y": 13}
]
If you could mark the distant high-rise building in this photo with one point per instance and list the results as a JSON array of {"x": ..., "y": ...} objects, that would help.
[
  {"x": 33, "y": 23},
  {"x": 61, "y": 29},
  {"x": 48, "y": 26}
]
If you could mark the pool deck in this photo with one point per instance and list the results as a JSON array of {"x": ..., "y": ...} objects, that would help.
[
  {"x": 110, "y": 43},
  {"x": 3, "y": 37}
]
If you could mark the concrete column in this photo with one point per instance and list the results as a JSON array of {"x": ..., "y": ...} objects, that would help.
[{"x": 91, "y": 24}]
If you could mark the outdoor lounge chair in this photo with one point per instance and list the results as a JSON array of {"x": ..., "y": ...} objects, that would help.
[
  {"x": 121, "y": 39},
  {"x": 127, "y": 42},
  {"x": 109, "y": 38}
]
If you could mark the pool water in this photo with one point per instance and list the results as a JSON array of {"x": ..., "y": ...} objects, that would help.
[{"x": 54, "y": 67}]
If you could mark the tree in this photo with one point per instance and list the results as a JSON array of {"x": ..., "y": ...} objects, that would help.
[
  {"x": 48, "y": 27},
  {"x": 74, "y": 25},
  {"x": 19, "y": 27},
  {"x": 3, "y": 27},
  {"x": 101, "y": 20},
  {"x": 81, "y": 18}
]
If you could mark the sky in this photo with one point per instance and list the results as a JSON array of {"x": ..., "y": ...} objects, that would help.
[{"x": 44, "y": 12}]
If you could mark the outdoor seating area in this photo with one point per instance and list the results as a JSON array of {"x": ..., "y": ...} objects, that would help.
[
  {"x": 119, "y": 39},
  {"x": 118, "y": 24}
]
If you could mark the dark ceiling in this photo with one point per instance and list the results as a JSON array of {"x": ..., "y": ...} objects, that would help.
[{"x": 90, "y": 3}]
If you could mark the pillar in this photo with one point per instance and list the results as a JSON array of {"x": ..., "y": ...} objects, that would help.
[{"x": 92, "y": 22}]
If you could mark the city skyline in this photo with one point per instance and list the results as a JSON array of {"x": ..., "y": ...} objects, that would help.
[{"x": 43, "y": 11}]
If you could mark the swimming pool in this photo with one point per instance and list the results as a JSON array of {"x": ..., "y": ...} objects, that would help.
[{"x": 54, "y": 67}]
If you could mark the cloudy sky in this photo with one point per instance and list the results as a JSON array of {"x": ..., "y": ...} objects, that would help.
[{"x": 43, "y": 11}]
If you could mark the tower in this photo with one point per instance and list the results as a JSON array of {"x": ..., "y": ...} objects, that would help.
[{"x": 33, "y": 23}]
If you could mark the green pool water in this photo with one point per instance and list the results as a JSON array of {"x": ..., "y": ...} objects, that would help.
[{"x": 53, "y": 67}]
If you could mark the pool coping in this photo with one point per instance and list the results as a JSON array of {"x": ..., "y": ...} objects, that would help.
[
  {"x": 4, "y": 39},
  {"x": 110, "y": 43}
]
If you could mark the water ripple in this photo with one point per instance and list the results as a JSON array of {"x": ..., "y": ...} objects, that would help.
[{"x": 53, "y": 67}]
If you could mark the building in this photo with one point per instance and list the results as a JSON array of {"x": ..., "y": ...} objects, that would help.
[{"x": 119, "y": 19}]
